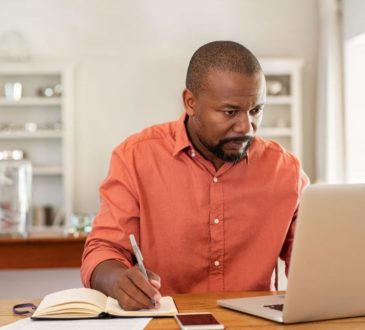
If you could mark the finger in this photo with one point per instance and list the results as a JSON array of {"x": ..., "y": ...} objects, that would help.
[
  {"x": 157, "y": 305},
  {"x": 153, "y": 276},
  {"x": 128, "y": 303},
  {"x": 155, "y": 279},
  {"x": 135, "y": 302},
  {"x": 131, "y": 297},
  {"x": 143, "y": 284},
  {"x": 156, "y": 284}
]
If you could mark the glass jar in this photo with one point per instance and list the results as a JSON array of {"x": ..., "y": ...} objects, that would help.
[{"x": 15, "y": 192}]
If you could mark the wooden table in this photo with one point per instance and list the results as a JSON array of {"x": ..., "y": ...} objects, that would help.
[
  {"x": 41, "y": 252},
  {"x": 207, "y": 303}
]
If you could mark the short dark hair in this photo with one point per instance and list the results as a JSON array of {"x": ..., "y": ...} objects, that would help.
[{"x": 221, "y": 56}]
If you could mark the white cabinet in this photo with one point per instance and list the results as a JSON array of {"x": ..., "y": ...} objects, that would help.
[
  {"x": 282, "y": 114},
  {"x": 40, "y": 122}
]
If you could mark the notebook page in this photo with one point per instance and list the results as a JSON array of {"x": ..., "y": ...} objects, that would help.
[
  {"x": 168, "y": 308},
  {"x": 74, "y": 296}
]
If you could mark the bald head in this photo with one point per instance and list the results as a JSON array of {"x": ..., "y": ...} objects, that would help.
[{"x": 220, "y": 56}]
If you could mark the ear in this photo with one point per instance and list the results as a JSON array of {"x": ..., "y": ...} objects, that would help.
[{"x": 189, "y": 102}]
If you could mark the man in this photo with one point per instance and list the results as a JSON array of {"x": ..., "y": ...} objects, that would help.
[{"x": 211, "y": 204}]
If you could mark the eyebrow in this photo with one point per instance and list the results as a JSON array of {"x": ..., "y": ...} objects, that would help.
[
  {"x": 236, "y": 107},
  {"x": 231, "y": 106},
  {"x": 259, "y": 105}
]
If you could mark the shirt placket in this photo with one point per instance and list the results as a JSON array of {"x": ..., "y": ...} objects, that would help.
[{"x": 216, "y": 236}]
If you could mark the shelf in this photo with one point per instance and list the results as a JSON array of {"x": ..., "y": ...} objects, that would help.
[
  {"x": 31, "y": 101},
  {"x": 280, "y": 99},
  {"x": 43, "y": 127},
  {"x": 41, "y": 134},
  {"x": 47, "y": 170},
  {"x": 275, "y": 131},
  {"x": 44, "y": 249}
]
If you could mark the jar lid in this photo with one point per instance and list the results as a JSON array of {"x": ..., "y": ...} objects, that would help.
[{"x": 11, "y": 154}]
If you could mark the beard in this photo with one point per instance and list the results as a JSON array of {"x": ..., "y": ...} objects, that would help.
[{"x": 232, "y": 157}]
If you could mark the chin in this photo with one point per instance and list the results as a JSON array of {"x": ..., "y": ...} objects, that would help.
[
  {"x": 233, "y": 154},
  {"x": 233, "y": 157}
]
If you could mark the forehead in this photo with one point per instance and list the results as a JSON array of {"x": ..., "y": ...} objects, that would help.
[{"x": 232, "y": 83}]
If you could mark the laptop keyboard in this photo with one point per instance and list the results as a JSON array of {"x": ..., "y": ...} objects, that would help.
[{"x": 277, "y": 307}]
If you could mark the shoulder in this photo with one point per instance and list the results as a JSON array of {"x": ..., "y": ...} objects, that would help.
[
  {"x": 272, "y": 151},
  {"x": 271, "y": 155},
  {"x": 153, "y": 135}
]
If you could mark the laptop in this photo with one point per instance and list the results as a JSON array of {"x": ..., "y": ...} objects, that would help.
[{"x": 327, "y": 270}]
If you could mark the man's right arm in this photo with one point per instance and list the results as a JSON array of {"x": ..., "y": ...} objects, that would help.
[{"x": 107, "y": 263}]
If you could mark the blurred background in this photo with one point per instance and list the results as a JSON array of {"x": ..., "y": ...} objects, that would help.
[{"x": 79, "y": 76}]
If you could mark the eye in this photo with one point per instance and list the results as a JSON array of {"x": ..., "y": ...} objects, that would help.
[
  {"x": 256, "y": 111},
  {"x": 231, "y": 113}
]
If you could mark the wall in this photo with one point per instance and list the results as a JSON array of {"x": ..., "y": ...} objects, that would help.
[
  {"x": 132, "y": 56},
  {"x": 353, "y": 17},
  {"x": 36, "y": 283},
  {"x": 354, "y": 54}
]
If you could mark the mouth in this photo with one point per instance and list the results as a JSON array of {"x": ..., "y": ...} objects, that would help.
[
  {"x": 235, "y": 145},
  {"x": 232, "y": 149}
]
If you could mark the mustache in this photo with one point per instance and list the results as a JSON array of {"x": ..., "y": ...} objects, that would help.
[{"x": 237, "y": 139}]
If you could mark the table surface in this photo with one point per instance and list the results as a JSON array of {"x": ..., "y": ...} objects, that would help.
[{"x": 207, "y": 303}]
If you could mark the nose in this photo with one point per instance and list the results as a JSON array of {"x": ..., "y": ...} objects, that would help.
[{"x": 242, "y": 125}]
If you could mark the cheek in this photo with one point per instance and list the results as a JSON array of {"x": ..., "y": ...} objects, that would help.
[
  {"x": 205, "y": 123},
  {"x": 209, "y": 129},
  {"x": 256, "y": 121}
]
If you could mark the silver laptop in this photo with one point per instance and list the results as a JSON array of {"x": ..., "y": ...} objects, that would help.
[{"x": 327, "y": 271}]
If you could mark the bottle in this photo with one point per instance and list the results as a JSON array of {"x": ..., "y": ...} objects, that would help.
[{"x": 15, "y": 192}]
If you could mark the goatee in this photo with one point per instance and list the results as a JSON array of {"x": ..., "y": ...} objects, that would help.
[{"x": 218, "y": 150}]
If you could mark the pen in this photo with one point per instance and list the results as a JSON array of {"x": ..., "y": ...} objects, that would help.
[{"x": 138, "y": 255}]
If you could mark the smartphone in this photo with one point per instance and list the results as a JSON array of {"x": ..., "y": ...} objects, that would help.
[{"x": 198, "y": 321}]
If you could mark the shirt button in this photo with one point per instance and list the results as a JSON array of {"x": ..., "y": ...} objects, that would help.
[
  {"x": 193, "y": 154},
  {"x": 216, "y": 221},
  {"x": 215, "y": 179},
  {"x": 216, "y": 263}
]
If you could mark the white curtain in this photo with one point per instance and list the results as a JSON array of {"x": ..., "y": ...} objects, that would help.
[{"x": 330, "y": 125}]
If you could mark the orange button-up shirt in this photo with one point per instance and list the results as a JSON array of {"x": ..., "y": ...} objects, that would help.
[{"x": 200, "y": 229}]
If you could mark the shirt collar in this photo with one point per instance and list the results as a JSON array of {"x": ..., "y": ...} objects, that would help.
[
  {"x": 182, "y": 140},
  {"x": 181, "y": 137}
]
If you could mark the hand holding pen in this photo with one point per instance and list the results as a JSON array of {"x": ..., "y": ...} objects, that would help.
[{"x": 134, "y": 288}]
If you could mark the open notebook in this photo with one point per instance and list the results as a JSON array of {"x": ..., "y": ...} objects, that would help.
[{"x": 86, "y": 303}]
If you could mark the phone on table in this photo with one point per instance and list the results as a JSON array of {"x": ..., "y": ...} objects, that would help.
[{"x": 198, "y": 321}]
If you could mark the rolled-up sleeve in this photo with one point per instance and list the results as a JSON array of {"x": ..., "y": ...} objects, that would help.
[{"x": 117, "y": 218}]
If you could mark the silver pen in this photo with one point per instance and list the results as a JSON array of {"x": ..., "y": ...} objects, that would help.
[{"x": 138, "y": 255}]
